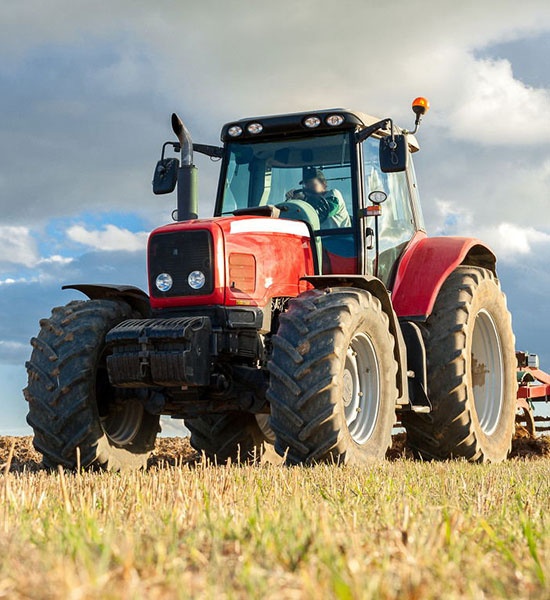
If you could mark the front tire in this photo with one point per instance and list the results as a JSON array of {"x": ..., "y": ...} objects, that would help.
[
  {"x": 71, "y": 402},
  {"x": 234, "y": 437},
  {"x": 333, "y": 384},
  {"x": 470, "y": 349}
]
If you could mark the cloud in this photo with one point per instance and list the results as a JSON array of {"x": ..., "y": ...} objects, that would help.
[
  {"x": 56, "y": 259},
  {"x": 109, "y": 239},
  {"x": 492, "y": 108},
  {"x": 17, "y": 246},
  {"x": 12, "y": 281},
  {"x": 90, "y": 94},
  {"x": 512, "y": 243}
]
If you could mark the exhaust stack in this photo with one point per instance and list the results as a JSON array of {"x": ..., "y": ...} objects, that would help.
[{"x": 187, "y": 193}]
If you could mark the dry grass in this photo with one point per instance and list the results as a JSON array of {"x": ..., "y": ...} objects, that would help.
[{"x": 400, "y": 529}]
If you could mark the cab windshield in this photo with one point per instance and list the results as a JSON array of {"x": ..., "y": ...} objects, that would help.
[{"x": 283, "y": 173}]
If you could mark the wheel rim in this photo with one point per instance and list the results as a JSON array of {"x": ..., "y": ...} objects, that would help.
[
  {"x": 120, "y": 419},
  {"x": 487, "y": 371},
  {"x": 361, "y": 390},
  {"x": 123, "y": 421},
  {"x": 263, "y": 423}
]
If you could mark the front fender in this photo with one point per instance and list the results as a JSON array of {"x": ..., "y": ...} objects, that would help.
[
  {"x": 130, "y": 294},
  {"x": 426, "y": 265}
]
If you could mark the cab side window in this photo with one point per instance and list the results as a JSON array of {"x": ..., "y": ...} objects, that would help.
[{"x": 396, "y": 225}]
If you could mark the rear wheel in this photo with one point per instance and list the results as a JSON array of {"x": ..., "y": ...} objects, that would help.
[
  {"x": 228, "y": 436},
  {"x": 71, "y": 402},
  {"x": 470, "y": 349},
  {"x": 333, "y": 378}
]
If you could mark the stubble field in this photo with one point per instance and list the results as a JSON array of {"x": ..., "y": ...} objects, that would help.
[{"x": 401, "y": 529}]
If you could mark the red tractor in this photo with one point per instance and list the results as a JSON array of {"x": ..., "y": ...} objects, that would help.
[{"x": 311, "y": 312}]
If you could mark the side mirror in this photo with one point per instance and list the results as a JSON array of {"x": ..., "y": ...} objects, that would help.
[
  {"x": 394, "y": 154},
  {"x": 165, "y": 176}
]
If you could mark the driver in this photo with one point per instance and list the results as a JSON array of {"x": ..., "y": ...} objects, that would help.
[{"x": 328, "y": 203}]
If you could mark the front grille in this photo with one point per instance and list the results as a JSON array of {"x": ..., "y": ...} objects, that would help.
[{"x": 179, "y": 253}]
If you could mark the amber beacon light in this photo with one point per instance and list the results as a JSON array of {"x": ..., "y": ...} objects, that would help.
[{"x": 420, "y": 106}]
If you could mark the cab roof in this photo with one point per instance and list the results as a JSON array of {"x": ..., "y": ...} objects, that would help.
[{"x": 292, "y": 124}]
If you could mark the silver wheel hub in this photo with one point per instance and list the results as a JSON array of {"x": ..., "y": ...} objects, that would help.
[
  {"x": 487, "y": 372},
  {"x": 361, "y": 388},
  {"x": 348, "y": 388}
]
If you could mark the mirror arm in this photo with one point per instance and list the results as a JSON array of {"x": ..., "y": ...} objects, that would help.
[
  {"x": 211, "y": 151},
  {"x": 362, "y": 135},
  {"x": 174, "y": 145}
]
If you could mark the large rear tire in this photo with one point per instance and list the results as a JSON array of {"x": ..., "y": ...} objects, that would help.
[
  {"x": 333, "y": 384},
  {"x": 229, "y": 436},
  {"x": 472, "y": 386},
  {"x": 71, "y": 402}
]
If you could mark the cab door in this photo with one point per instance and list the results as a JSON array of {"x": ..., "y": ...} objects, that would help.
[{"x": 400, "y": 219}]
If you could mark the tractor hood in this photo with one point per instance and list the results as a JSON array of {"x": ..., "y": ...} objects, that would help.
[{"x": 231, "y": 261}]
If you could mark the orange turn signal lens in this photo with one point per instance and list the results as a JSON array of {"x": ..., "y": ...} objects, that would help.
[
  {"x": 242, "y": 272},
  {"x": 374, "y": 211}
]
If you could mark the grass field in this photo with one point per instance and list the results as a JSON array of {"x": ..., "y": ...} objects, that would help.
[{"x": 400, "y": 529}]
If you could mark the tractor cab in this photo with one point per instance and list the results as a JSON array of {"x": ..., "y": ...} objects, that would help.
[{"x": 320, "y": 168}]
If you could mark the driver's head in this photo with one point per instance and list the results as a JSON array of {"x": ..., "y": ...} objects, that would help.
[{"x": 314, "y": 180}]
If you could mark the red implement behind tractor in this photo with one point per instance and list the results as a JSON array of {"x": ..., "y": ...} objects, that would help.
[{"x": 311, "y": 312}]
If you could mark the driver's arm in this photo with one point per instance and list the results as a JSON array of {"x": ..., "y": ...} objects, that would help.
[{"x": 297, "y": 194}]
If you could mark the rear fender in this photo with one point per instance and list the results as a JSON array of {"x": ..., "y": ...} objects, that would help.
[
  {"x": 133, "y": 296},
  {"x": 426, "y": 265},
  {"x": 377, "y": 288}
]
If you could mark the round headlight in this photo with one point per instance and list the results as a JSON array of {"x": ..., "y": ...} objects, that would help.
[
  {"x": 164, "y": 282},
  {"x": 335, "y": 120},
  {"x": 312, "y": 122},
  {"x": 255, "y": 128},
  {"x": 196, "y": 279},
  {"x": 235, "y": 131}
]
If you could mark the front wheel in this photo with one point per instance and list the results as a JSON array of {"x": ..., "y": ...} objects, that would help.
[
  {"x": 472, "y": 385},
  {"x": 73, "y": 409},
  {"x": 333, "y": 384},
  {"x": 235, "y": 437}
]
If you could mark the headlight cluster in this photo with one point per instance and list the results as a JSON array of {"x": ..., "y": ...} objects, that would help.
[
  {"x": 253, "y": 128},
  {"x": 195, "y": 279},
  {"x": 332, "y": 120},
  {"x": 311, "y": 122}
]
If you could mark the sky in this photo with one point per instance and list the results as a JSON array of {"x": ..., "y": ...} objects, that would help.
[{"x": 87, "y": 89}]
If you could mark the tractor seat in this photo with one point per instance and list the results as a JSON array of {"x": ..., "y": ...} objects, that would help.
[{"x": 300, "y": 210}]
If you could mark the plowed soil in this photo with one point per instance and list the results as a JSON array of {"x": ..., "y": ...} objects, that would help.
[{"x": 174, "y": 451}]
